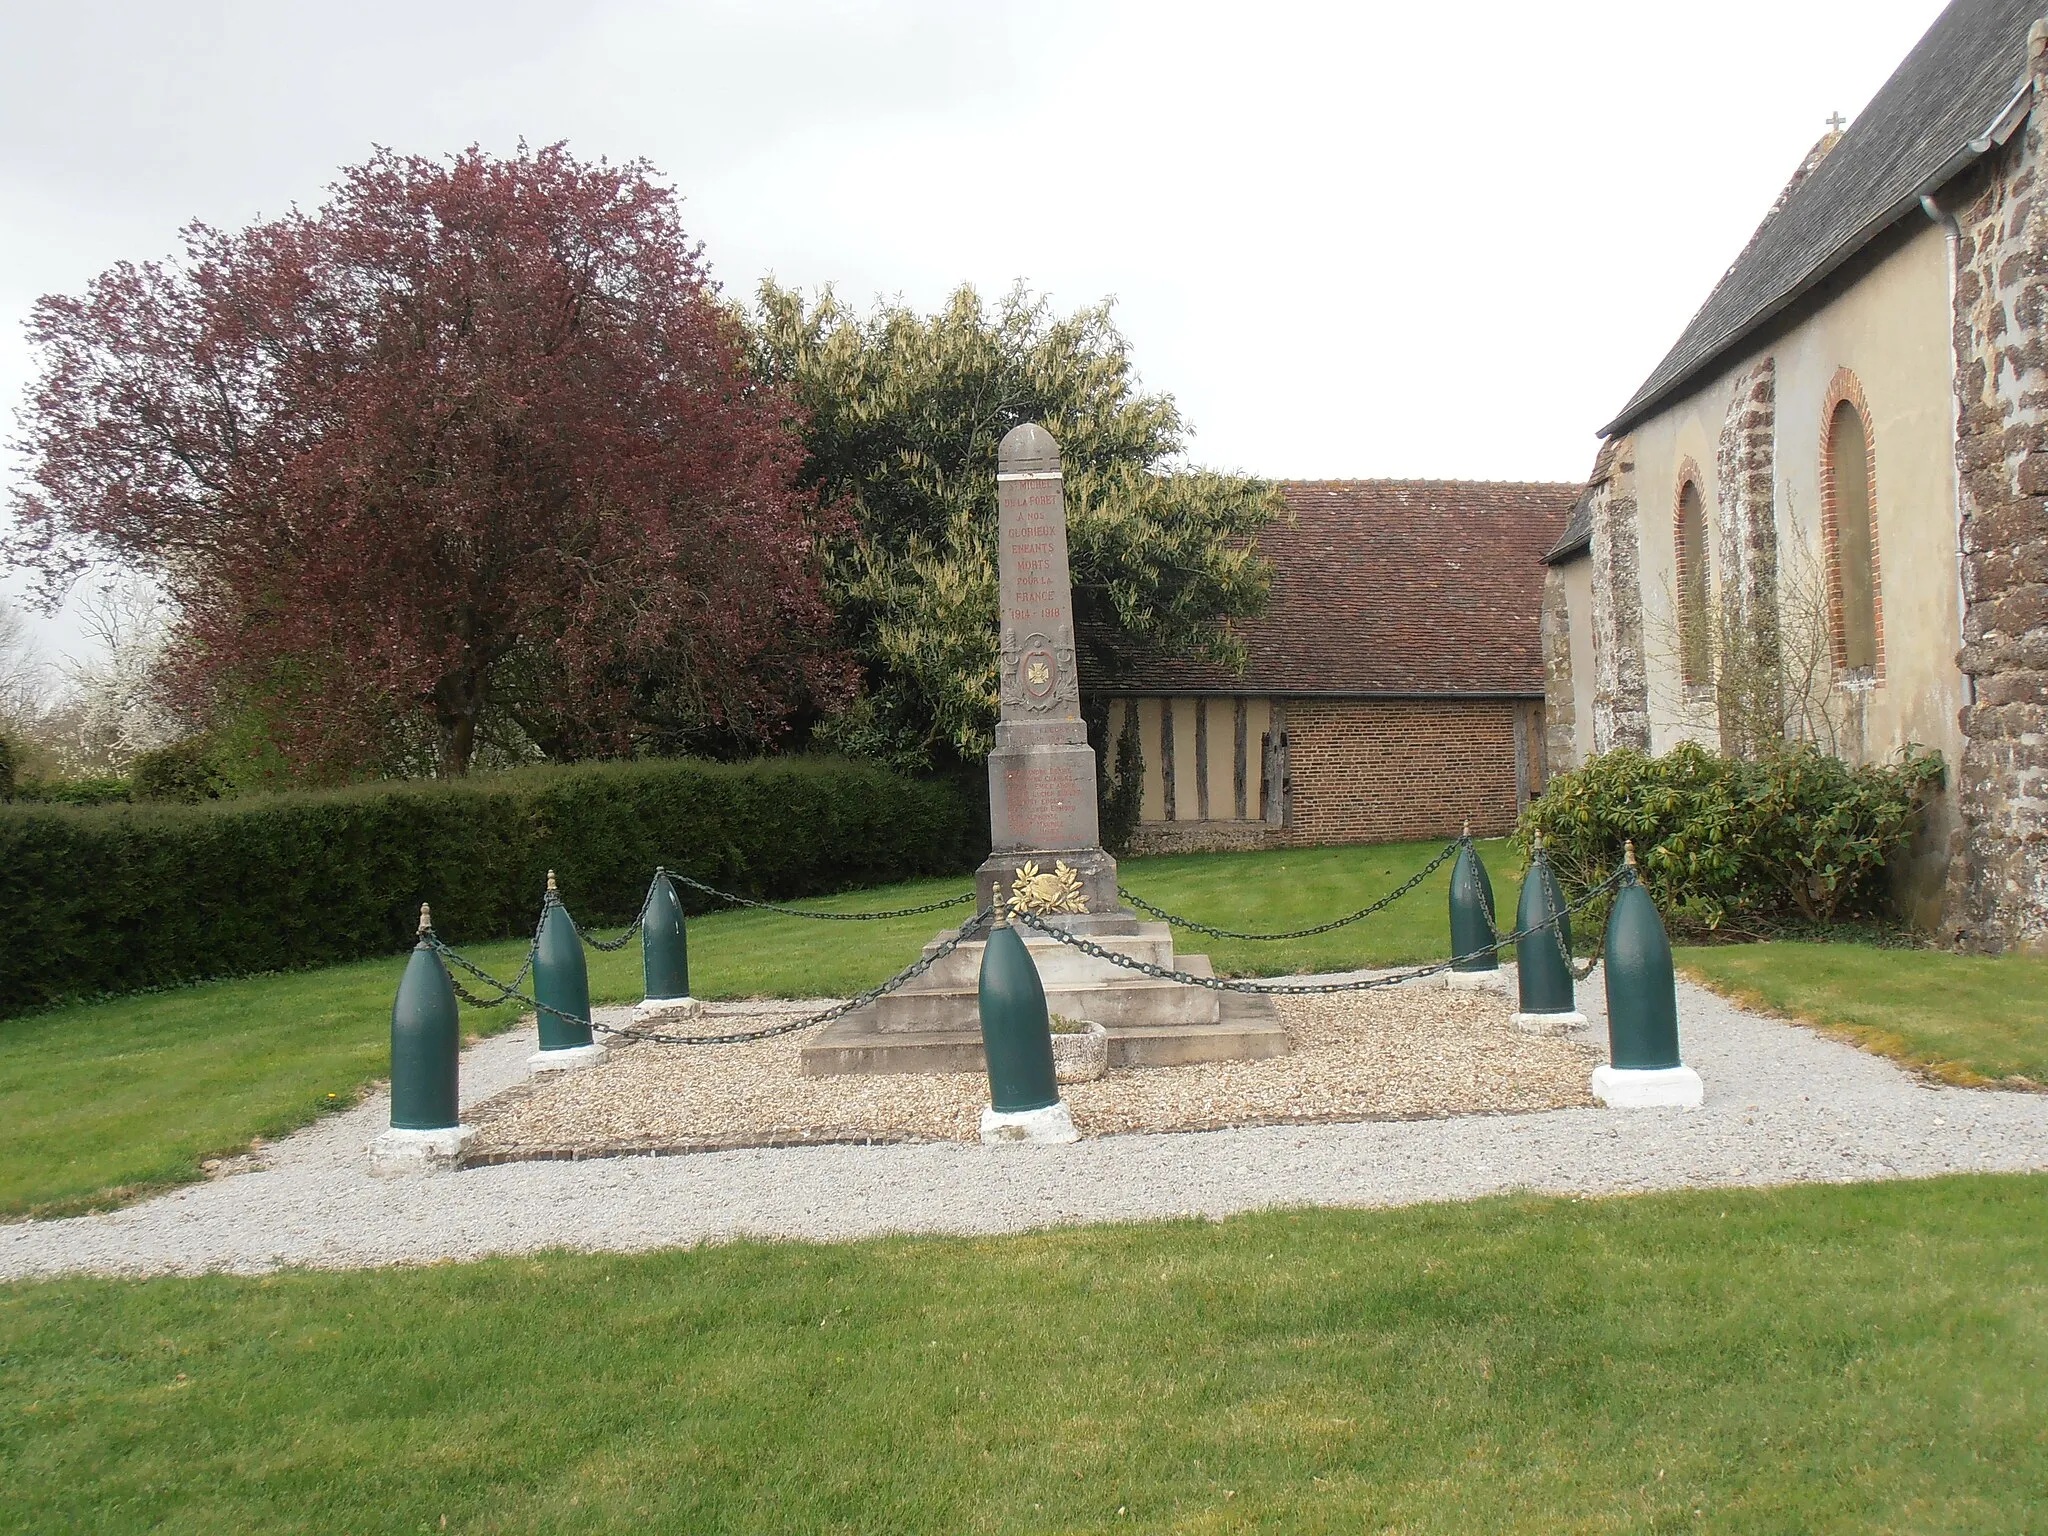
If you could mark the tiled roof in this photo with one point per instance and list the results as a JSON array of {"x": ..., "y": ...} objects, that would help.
[
  {"x": 1935, "y": 114},
  {"x": 1406, "y": 587},
  {"x": 1577, "y": 537}
]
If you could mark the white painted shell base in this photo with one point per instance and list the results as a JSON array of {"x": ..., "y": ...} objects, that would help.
[
  {"x": 1648, "y": 1087},
  {"x": 664, "y": 1010},
  {"x": 1050, "y": 1125},
  {"x": 570, "y": 1060},
  {"x": 1476, "y": 981},
  {"x": 401, "y": 1152},
  {"x": 1548, "y": 1023}
]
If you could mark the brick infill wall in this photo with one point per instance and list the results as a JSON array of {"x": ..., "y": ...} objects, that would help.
[{"x": 1384, "y": 770}]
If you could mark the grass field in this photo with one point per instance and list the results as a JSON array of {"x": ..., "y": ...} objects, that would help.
[
  {"x": 1968, "y": 1019},
  {"x": 105, "y": 1101},
  {"x": 1842, "y": 1358}
]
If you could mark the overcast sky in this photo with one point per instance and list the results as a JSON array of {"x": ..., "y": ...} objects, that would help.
[{"x": 1351, "y": 239}]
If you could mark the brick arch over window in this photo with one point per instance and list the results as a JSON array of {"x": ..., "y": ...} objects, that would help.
[
  {"x": 1848, "y": 530},
  {"x": 1694, "y": 596}
]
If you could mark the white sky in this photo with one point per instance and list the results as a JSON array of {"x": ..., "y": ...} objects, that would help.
[{"x": 1353, "y": 240}]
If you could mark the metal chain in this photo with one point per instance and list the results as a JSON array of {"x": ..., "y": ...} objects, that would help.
[
  {"x": 512, "y": 987},
  {"x": 609, "y": 945},
  {"x": 825, "y": 917},
  {"x": 1578, "y": 973},
  {"x": 1295, "y": 989},
  {"x": 1581, "y": 972},
  {"x": 836, "y": 1011},
  {"x": 1564, "y": 950},
  {"x": 1414, "y": 880}
]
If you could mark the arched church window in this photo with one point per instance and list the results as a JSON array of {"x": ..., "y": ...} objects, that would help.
[
  {"x": 1849, "y": 517},
  {"x": 1695, "y": 631}
]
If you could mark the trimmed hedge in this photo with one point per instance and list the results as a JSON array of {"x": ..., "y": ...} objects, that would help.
[{"x": 121, "y": 898}]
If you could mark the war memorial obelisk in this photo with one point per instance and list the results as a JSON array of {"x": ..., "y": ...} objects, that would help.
[
  {"x": 1046, "y": 852},
  {"x": 1041, "y": 775}
]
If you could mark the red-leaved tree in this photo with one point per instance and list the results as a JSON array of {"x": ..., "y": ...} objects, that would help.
[{"x": 473, "y": 447}]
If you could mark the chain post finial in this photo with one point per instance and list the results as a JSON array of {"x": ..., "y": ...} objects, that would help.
[
  {"x": 551, "y": 883},
  {"x": 1467, "y": 833},
  {"x": 426, "y": 920},
  {"x": 1628, "y": 853}
]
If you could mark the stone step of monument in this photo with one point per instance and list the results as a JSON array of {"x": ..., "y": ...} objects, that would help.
[
  {"x": 1247, "y": 1029},
  {"x": 1125, "y": 999},
  {"x": 1058, "y": 964}
]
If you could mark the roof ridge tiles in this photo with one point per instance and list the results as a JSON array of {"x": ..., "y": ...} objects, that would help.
[{"x": 1545, "y": 485}]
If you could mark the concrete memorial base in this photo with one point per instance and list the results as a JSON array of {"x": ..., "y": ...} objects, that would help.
[
  {"x": 1049, "y": 1126},
  {"x": 1548, "y": 1023},
  {"x": 934, "y": 1023},
  {"x": 666, "y": 1010},
  {"x": 570, "y": 1060},
  {"x": 1648, "y": 1087},
  {"x": 400, "y": 1152}
]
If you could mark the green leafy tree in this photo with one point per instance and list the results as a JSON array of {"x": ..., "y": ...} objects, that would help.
[{"x": 904, "y": 415}]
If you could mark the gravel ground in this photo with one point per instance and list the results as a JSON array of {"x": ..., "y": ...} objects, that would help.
[
  {"x": 1407, "y": 1053},
  {"x": 1783, "y": 1104}
]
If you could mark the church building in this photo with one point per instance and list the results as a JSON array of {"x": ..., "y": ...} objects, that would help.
[
  {"x": 1394, "y": 684},
  {"x": 1824, "y": 515}
]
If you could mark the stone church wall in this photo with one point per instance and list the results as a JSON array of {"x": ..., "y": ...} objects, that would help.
[
  {"x": 1999, "y": 881},
  {"x": 1746, "y": 558},
  {"x": 1621, "y": 701},
  {"x": 1560, "y": 697}
]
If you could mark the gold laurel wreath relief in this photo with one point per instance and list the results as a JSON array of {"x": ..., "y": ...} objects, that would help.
[{"x": 1058, "y": 890}]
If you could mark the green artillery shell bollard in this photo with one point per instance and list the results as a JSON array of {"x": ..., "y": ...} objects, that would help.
[
  {"x": 665, "y": 956},
  {"x": 1472, "y": 937},
  {"x": 1646, "y": 1071},
  {"x": 426, "y": 1051},
  {"x": 1016, "y": 1040},
  {"x": 1542, "y": 968},
  {"x": 561, "y": 985}
]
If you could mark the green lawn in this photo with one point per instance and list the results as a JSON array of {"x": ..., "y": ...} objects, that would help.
[
  {"x": 1968, "y": 1019},
  {"x": 105, "y": 1101},
  {"x": 1842, "y": 1358}
]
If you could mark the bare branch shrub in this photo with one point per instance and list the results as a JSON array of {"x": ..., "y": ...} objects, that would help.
[{"x": 1766, "y": 684}]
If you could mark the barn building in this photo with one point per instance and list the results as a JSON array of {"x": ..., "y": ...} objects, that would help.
[{"x": 1394, "y": 686}]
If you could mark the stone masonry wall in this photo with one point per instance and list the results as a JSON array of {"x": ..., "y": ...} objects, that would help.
[
  {"x": 1379, "y": 770},
  {"x": 1560, "y": 706},
  {"x": 1998, "y": 883},
  {"x": 1621, "y": 696},
  {"x": 1746, "y": 557},
  {"x": 1150, "y": 837}
]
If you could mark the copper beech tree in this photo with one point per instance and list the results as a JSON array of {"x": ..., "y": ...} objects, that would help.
[{"x": 472, "y": 448}]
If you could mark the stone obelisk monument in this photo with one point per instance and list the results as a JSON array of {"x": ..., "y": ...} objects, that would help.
[
  {"x": 1046, "y": 852},
  {"x": 1041, "y": 775}
]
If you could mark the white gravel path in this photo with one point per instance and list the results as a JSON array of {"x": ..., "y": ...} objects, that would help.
[{"x": 1783, "y": 1105}]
